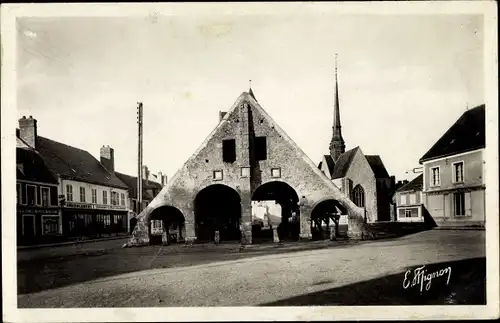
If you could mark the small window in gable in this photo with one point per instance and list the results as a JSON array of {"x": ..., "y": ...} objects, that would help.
[
  {"x": 217, "y": 176},
  {"x": 229, "y": 150},
  {"x": 260, "y": 148}
]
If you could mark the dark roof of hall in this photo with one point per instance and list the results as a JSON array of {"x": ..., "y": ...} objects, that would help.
[
  {"x": 377, "y": 166},
  {"x": 76, "y": 164},
  {"x": 414, "y": 185},
  {"x": 131, "y": 182},
  {"x": 343, "y": 163},
  {"x": 33, "y": 167},
  {"x": 466, "y": 134}
]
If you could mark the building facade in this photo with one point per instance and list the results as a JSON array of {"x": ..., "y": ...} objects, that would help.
[
  {"x": 38, "y": 212},
  {"x": 453, "y": 179},
  {"x": 90, "y": 198},
  {"x": 409, "y": 201},
  {"x": 246, "y": 158}
]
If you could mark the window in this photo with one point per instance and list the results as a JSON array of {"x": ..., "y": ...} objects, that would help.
[
  {"x": 107, "y": 220},
  {"x": 245, "y": 171},
  {"x": 45, "y": 193},
  {"x": 413, "y": 199},
  {"x": 114, "y": 198},
  {"x": 122, "y": 197},
  {"x": 31, "y": 194},
  {"x": 458, "y": 172},
  {"x": 18, "y": 191},
  {"x": 459, "y": 201},
  {"x": 104, "y": 197},
  {"x": 82, "y": 194},
  {"x": 275, "y": 172},
  {"x": 435, "y": 180},
  {"x": 69, "y": 193},
  {"x": 403, "y": 199},
  {"x": 217, "y": 175},
  {"x": 358, "y": 196},
  {"x": 229, "y": 150},
  {"x": 260, "y": 148},
  {"x": 94, "y": 196},
  {"x": 407, "y": 213},
  {"x": 50, "y": 225}
]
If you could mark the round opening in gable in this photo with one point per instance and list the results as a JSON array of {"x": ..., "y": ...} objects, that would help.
[
  {"x": 261, "y": 120},
  {"x": 206, "y": 160}
]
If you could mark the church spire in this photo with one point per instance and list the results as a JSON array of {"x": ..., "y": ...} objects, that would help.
[{"x": 337, "y": 145}]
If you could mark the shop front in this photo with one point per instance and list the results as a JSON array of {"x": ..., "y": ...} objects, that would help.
[
  {"x": 38, "y": 225},
  {"x": 84, "y": 221}
]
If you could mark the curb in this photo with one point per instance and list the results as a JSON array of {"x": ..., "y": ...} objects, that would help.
[
  {"x": 69, "y": 243},
  {"x": 460, "y": 228}
]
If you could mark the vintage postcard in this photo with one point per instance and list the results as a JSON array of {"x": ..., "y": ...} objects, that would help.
[{"x": 249, "y": 161}]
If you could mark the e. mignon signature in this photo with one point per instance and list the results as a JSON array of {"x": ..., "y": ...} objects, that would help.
[{"x": 421, "y": 277}]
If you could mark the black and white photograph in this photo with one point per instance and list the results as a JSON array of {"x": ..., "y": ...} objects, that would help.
[{"x": 249, "y": 161}]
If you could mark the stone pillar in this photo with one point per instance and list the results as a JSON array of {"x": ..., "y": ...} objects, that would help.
[
  {"x": 140, "y": 235},
  {"x": 165, "y": 238},
  {"x": 246, "y": 219},
  {"x": 216, "y": 237},
  {"x": 305, "y": 222},
  {"x": 276, "y": 238},
  {"x": 190, "y": 229}
]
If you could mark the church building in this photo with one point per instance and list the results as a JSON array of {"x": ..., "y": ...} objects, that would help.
[{"x": 363, "y": 178}]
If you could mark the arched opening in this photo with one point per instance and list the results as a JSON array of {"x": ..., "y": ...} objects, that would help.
[
  {"x": 217, "y": 208},
  {"x": 326, "y": 216},
  {"x": 275, "y": 205},
  {"x": 132, "y": 224},
  {"x": 166, "y": 225},
  {"x": 358, "y": 196}
]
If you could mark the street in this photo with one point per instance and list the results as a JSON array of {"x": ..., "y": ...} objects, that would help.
[{"x": 365, "y": 273}]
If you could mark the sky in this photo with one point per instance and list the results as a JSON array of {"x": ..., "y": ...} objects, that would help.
[{"x": 403, "y": 80}]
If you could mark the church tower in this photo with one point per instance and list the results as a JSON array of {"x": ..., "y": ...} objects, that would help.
[{"x": 337, "y": 145}]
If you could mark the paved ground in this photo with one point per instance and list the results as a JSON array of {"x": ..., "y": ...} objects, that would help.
[{"x": 363, "y": 273}]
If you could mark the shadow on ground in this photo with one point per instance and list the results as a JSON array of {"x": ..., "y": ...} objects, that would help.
[{"x": 467, "y": 286}]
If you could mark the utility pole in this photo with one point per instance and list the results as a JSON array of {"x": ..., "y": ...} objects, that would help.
[{"x": 139, "y": 158}]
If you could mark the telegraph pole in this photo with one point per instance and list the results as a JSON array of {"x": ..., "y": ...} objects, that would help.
[{"x": 139, "y": 158}]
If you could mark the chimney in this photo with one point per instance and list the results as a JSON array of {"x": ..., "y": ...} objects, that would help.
[
  {"x": 221, "y": 115},
  {"x": 28, "y": 131},
  {"x": 145, "y": 174},
  {"x": 164, "y": 180},
  {"x": 108, "y": 158}
]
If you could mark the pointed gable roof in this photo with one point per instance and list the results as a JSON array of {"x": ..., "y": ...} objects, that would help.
[
  {"x": 343, "y": 163},
  {"x": 377, "y": 166},
  {"x": 414, "y": 185},
  {"x": 76, "y": 164},
  {"x": 246, "y": 96},
  {"x": 466, "y": 134}
]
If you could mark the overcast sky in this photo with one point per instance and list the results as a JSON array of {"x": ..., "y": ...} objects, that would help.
[{"x": 403, "y": 80}]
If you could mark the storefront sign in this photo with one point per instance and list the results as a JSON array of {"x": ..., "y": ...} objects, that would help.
[
  {"x": 94, "y": 206},
  {"x": 38, "y": 211}
]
